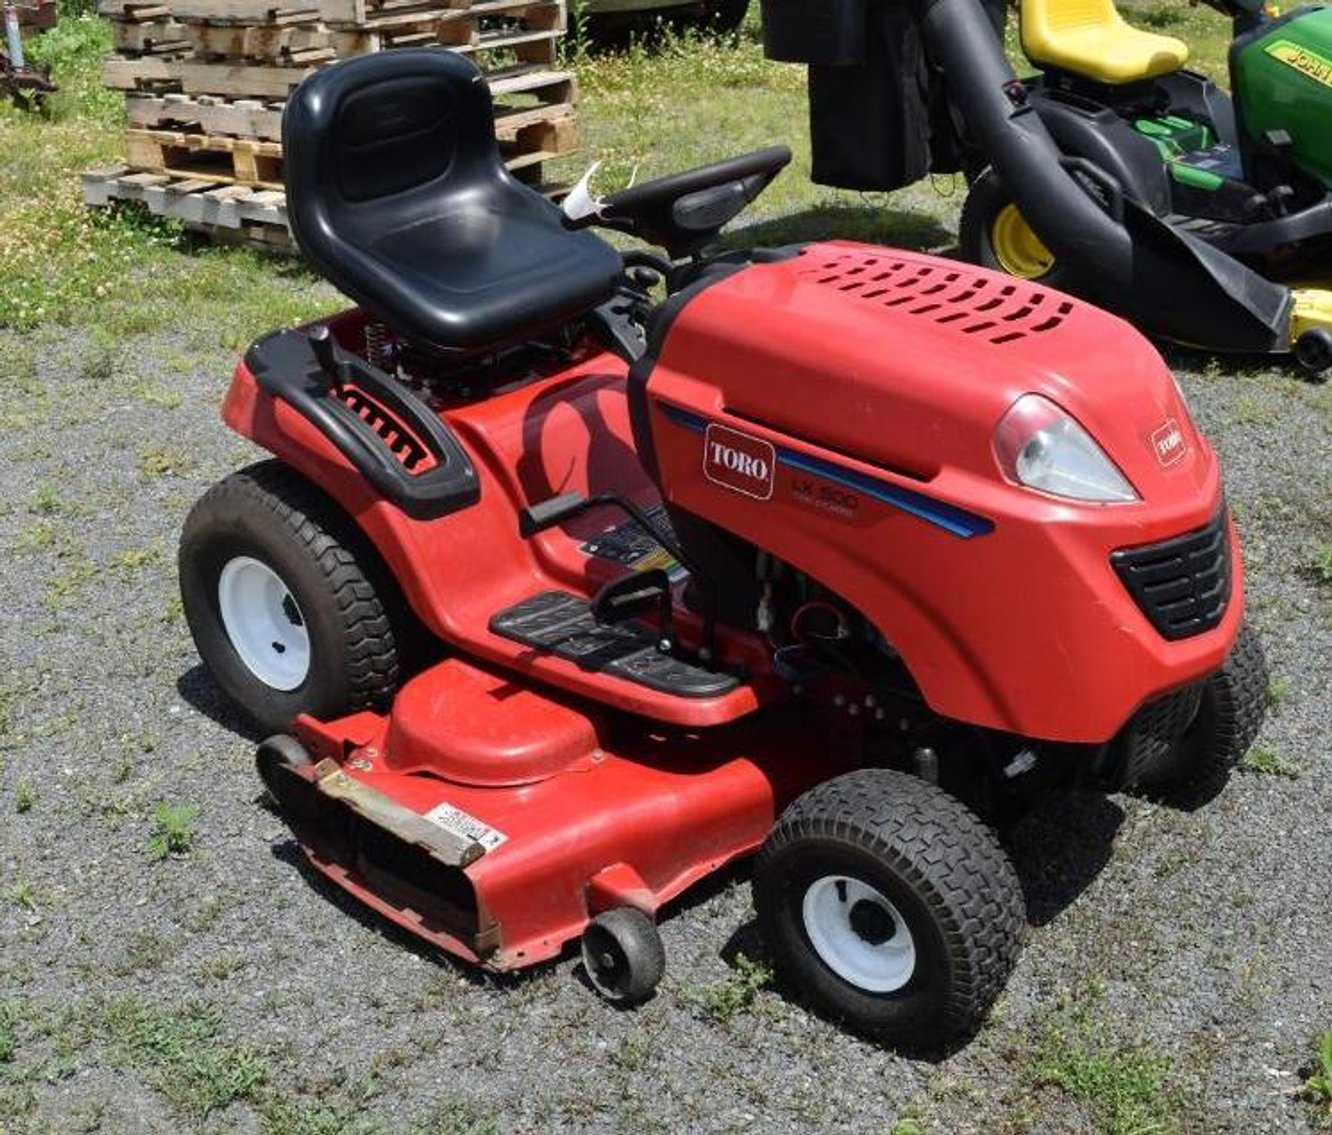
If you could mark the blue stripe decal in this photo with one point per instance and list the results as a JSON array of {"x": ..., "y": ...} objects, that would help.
[{"x": 958, "y": 521}]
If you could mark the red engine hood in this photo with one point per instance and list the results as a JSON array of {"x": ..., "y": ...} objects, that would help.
[{"x": 909, "y": 361}]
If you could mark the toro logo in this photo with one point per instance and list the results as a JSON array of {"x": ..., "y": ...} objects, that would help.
[
  {"x": 739, "y": 462},
  {"x": 1168, "y": 443}
]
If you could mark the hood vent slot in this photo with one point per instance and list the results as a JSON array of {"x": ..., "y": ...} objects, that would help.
[{"x": 997, "y": 309}]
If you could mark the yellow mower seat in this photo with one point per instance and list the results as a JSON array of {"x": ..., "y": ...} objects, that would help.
[{"x": 1091, "y": 39}]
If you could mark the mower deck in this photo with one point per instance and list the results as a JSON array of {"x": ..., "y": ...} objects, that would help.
[{"x": 493, "y": 819}]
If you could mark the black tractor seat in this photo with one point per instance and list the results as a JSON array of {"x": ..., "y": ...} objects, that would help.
[{"x": 397, "y": 195}]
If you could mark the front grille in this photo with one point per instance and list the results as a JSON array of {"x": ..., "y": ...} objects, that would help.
[{"x": 1182, "y": 584}]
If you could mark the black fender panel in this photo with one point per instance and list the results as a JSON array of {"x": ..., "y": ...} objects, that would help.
[{"x": 1085, "y": 130}]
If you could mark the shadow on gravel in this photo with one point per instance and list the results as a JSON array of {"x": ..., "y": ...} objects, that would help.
[
  {"x": 876, "y": 224},
  {"x": 289, "y": 852},
  {"x": 1059, "y": 847},
  {"x": 1198, "y": 361},
  {"x": 197, "y": 688}
]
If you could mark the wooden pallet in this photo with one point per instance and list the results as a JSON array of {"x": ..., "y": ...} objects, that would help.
[
  {"x": 267, "y": 81},
  {"x": 343, "y": 13},
  {"x": 216, "y": 158},
  {"x": 162, "y": 36},
  {"x": 134, "y": 10},
  {"x": 486, "y": 25},
  {"x": 527, "y": 136},
  {"x": 234, "y": 213},
  {"x": 517, "y": 92},
  {"x": 282, "y": 44},
  {"x": 231, "y": 80},
  {"x": 206, "y": 114},
  {"x": 526, "y": 140},
  {"x": 230, "y": 214}
]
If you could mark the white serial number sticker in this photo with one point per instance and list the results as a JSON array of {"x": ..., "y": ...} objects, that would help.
[{"x": 458, "y": 822}]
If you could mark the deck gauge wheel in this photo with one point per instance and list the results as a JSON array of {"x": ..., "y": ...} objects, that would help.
[
  {"x": 623, "y": 955},
  {"x": 1313, "y": 351}
]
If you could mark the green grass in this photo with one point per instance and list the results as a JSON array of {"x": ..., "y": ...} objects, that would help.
[
  {"x": 21, "y": 894},
  {"x": 1207, "y": 32},
  {"x": 116, "y": 271},
  {"x": 1269, "y": 762},
  {"x": 1321, "y": 565},
  {"x": 120, "y": 273},
  {"x": 736, "y": 994},
  {"x": 1318, "y": 1086},
  {"x": 9, "y": 1018},
  {"x": 25, "y": 796},
  {"x": 1124, "y": 1088},
  {"x": 173, "y": 830},
  {"x": 183, "y": 1054},
  {"x": 908, "y": 1123}
]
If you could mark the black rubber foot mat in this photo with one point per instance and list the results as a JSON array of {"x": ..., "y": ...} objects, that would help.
[{"x": 558, "y": 623}]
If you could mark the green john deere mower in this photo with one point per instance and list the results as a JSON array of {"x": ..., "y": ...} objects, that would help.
[{"x": 1115, "y": 173}]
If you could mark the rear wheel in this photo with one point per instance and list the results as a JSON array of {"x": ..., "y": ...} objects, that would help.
[
  {"x": 889, "y": 907},
  {"x": 994, "y": 233},
  {"x": 287, "y": 603}
]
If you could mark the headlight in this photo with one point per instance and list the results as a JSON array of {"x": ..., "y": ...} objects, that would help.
[{"x": 1040, "y": 446}]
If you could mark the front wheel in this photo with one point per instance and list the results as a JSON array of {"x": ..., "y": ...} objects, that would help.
[
  {"x": 287, "y": 603},
  {"x": 1231, "y": 709},
  {"x": 994, "y": 234},
  {"x": 889, "y": 907}
]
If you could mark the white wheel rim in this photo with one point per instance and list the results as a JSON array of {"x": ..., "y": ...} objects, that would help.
[
  {"x": 859, "y": 934},
  {"x": 264, "y": 623}
]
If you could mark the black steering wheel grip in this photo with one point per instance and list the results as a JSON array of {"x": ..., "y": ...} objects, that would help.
[{"x": 765, "y": 163}]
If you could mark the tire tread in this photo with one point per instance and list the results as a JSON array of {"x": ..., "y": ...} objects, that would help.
[
  {"x": 339, "y": 551},
  {"x": 944, "y": 852}
]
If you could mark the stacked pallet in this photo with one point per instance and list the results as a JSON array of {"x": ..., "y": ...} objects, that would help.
[{"x": 205, "y": 83}]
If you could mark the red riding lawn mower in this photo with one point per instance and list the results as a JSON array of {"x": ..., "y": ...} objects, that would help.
[{"x": 563, "y": 596}]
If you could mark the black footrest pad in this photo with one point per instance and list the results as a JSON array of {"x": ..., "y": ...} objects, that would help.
[{"x": 558, "y": 623}]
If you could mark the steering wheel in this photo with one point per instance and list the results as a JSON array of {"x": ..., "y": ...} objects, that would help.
[
  {"x": 683, "y": 212},
  {"x": 767, "y": 163}
]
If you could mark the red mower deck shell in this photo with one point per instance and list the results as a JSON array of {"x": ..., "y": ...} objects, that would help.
[
  {"x": 876, "y": 379},
  {"x": 632, "y": 819}
]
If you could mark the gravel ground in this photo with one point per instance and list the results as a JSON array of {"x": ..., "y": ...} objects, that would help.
[{"x": 1180, "y": 960}]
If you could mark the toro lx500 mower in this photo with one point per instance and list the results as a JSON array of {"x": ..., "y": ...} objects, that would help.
[
  {"x": 564, "y": 597},
  {"x": 1204, "y": 217}
]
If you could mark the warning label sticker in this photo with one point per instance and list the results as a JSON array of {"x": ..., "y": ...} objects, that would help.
[
  {"x": 458, "y": 822},
  {"x": 629, "y": 545}
]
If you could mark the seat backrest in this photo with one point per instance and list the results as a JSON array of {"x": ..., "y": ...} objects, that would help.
[
  {"x": 394, "y": 123},
  {"x": 1043, "y": 18},
  {"x": 397, "y": 195}
]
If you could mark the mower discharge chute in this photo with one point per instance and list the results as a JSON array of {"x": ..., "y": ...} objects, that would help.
[
  {"x": 558, "y": 596},
  {"x": 1113, "y": 174}
]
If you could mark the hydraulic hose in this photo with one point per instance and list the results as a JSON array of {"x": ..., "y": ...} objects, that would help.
[{"x": 1128, "y": 260}]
